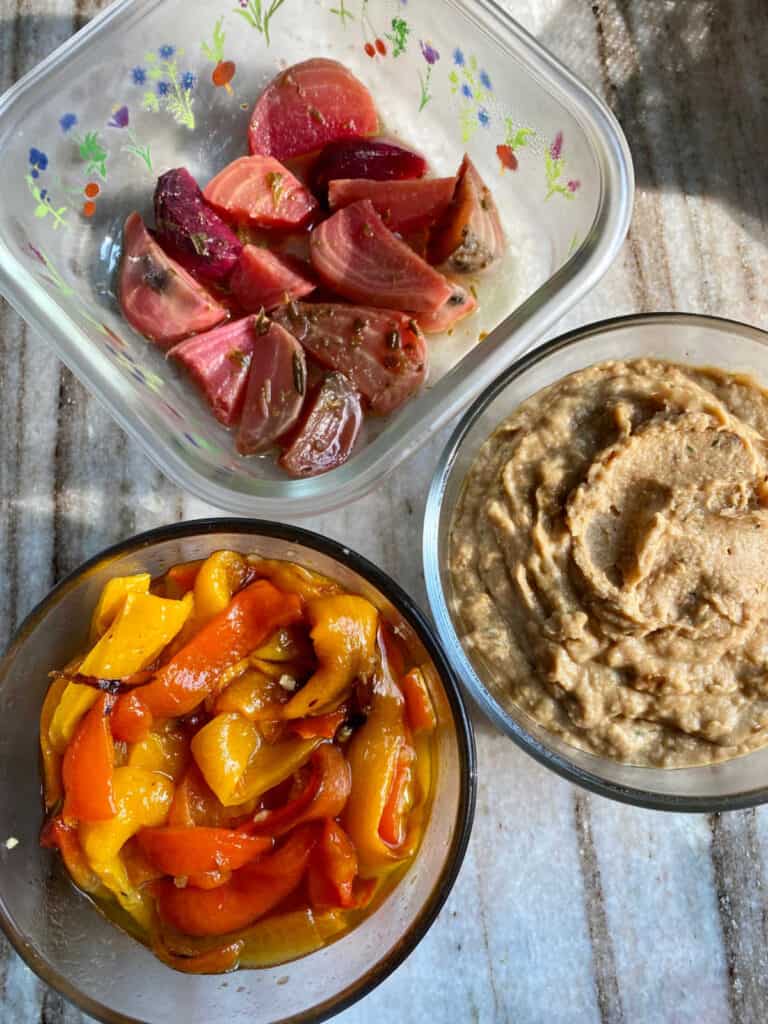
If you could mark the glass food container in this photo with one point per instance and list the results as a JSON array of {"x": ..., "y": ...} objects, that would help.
[{"x": 154, "y": 84}]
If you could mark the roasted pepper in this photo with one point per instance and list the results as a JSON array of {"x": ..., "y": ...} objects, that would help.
[
  {"x": 218, "y": 960},
  {"x": 320, "y": 725},
  {"x": 419, "y": 709},
  {"x": 294, "y": 579},
  {"x": 52, "y": 789},
  {"x": 289, "y": 644},
  {"x": 253, "y": 695},
  {"x": 283, "y": 937},
  {"x": 75, "y": 701},
  {"x": 165, "y": 749},
  {"x": 88, "y": 767},
  {"x": 252, "y": 891},
  {"x": 194, "y": 803},
  {"x": 222, "y": 750},
  {"x": 113, "y": 597},
  {"x": 190, "y": 851},
  {"x": 131, "y": 719},
  {"x": 252, "y": 614},
  {"x": 180, "y": 579},
  {"x": 142, "y": 799},
  {"x": 218, "y": 578},
  {"x": 324, "y": 795},
  {"x": 64, "y": 837},
  {"x": 144, "y": 625},
  {"x": 333, "y": 869},
  {"x": 344, "y": 636}
]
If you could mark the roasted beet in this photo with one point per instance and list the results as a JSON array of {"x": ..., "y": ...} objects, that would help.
[
  {"x": 356, "y": 255},
  {"x": 264, "y": 279},
  {"x": 308, "y": 106},
  {"x": 260, "y": 192},
  {"x": 277, "y": 388},
  {"x": 380, "y": 350},
  {"x": 404, "y": 206},
  {"x": 328, "y": 430},
  {"x": 190, "y": 231},
  {"x": 157, "y": 296},
  {"x": 461, "y": 304},
  {"x": 365, "y": 158},
  {"x": 218, "y": 362},
  {"x": 469, "y": 237}
]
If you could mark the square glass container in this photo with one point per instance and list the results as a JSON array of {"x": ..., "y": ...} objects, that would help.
[{"x": 144, "y": 88}]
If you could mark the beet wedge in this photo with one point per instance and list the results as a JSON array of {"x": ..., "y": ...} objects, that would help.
[
  {"x": 404, "y": 206},
  {"x": 260, "y": 192},
  {"x": 264, "y": 279},
  {"x": 469, "y": 237},
  {"x": 328, "y": 429},
  {"x": 218, "y": 362},
  {"x": 309, "y": 105},
  {"x": 190, "y": 231},
  {"x": 277, "y": 387},
  {"x": 157, "y": 295},
  {"x": 356, "y": 255},
  {"x": 381, "y": 351},
  {"x": 462, "y": 303},
  {"x": 372, "y": 159}
]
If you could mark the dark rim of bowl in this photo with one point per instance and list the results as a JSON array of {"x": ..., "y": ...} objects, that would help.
[
  {"x": 463, "y": 729},
  {"x": 460, "y": 661}
]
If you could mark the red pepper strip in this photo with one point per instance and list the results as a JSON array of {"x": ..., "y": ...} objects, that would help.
[
  {"x": 213, "y": 961},
  {"x": 324, "y": 796},
  {"x": 191, "y": 674},
  {"x": 393, "y": 649},
  {"x": 180, "y": 579},
  {"x": 209, "y": 879},
  {"x": 55, "y": 834},
  {"x": 251, "y": 892},
  {"x": 418, "y": 704},
  {"x": 320, "y": 725},
  {"x": 190, "y": 851},
  {"x": 130, "y": 719},
  {"x": 333, "y": 869},
  {"x": 394, "y": 818},
  {"x": 88, "y": 767}
]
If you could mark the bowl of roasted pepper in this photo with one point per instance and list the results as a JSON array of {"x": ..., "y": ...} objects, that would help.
[{"x": 229, "y": 746}]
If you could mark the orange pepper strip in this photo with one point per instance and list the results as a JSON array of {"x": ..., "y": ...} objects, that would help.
[
  {"x": 88, "y": 767},
  {"x": 180, "y": 579},
  {"x": 190, "y": 675},
  {"x": 130, "y": 719},
  {"x": 56, "y": 834},
  {"x": 189, "y": 851},
  {"x": 320, "y": 725},
  {"x": 418, "y": 704},
  {"x": 394, "y": 818},
  {"x": 209, "y": 879},
  {"x": 333, "y": 869},
  {"x": 252, "y": 891},
  {"x": 213, "y": 961},
  {"x": 324, "y": 796}
]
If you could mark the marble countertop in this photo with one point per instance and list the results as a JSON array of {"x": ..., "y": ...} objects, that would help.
[{"x": 569, "y": 908}]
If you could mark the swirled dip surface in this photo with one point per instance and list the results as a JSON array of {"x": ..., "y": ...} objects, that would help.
[{"x": 609, "y": 561}]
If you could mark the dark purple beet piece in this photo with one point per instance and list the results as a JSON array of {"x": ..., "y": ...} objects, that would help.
[
  {"x": 190, "y": 231},
  {"x": 365, "y": 158}
]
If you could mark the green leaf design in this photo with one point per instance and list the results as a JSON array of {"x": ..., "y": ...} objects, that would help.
[
  {"x": 398, "y": 36},
  {"x": 150, "y": 102},
  {"x": 215, "y": 52}
]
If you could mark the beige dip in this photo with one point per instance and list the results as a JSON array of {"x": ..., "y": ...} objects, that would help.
[{"x": 609, "y": 561}]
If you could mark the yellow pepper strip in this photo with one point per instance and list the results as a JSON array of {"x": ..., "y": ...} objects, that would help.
[
  {"x": 52, "y": 788},
  {"x": 294, "y": 579},
  {"x": 281, "y": 937},
  {"x": 75, "y": 701},
  {"x": 290, "y": 643},
  {"x": 112, "y": 599},
  {"x": 142, "y": 799},
  {"x": 220, "y": 575},
  {"x": 143, "y": 627},
  {"x": 271, "y": 765},
  {"x": 344, "y": 635},
  {"x": 163, "y": 750},
  {"x": 254, "y": 695},
  {"x": 222, "y": 750}
]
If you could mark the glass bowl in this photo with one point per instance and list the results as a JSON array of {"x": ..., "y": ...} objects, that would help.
[
  {"x": 84, "y": 136},
  {"x": 682, "y": 338},
  {"x": 62, "y": 936}
]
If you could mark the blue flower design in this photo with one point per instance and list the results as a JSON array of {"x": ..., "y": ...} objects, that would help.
[
  {"x": 485, "y": 81},
  {"x": 38, "y": 161},
  {"x": 188, "y": 80},
  {"x": 163, "y": 88},
  {"x": 67, "y": 122},
  {"x": 466, "y": 92},
  {"x": 139, "y": 76},
  {"x": 458, "y": 58},
  {"x": 43, "y": 193},
  {"x": 483, "y": 117},
  {"x": 167, "y": 51}
]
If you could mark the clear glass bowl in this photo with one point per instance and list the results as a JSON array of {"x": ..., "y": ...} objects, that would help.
[
  {"x": 132, "y": 95},
  {"x": 682, "y": 338},
  {"x": 74, "y": 948}
]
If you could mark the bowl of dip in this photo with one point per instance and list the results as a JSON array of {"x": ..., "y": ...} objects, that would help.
[{"x": 594, "y": 559}]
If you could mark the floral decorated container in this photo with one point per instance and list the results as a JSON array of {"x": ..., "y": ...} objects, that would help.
[{"x": 154, "y": 84}]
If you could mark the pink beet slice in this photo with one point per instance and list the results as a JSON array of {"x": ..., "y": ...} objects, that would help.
[
  {"x": 469, "y": 237},
  {"x": 461, "y": 304},
  {"x": 365, "y": 158},
  {"x": 218, "y": 362},
  {"x": 277, "y": 386},
  {"x": 355, "y": 254},
  {"x": 404, "y": 206},
  {"x": 309, "y": 105},
  {"x": 328, "y": 430},
  {"x": 190, "y": 231},
  {"x": 381, "y": 350},
  {"x": 157, "y": 296},
  {"x": 263, "y": 279},
  {"x": 260, "y": 192}
]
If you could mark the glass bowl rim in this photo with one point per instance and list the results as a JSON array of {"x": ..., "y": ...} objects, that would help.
[
  {"x": 511, "y": 727},
  {"x": 462, "y": 728}
]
